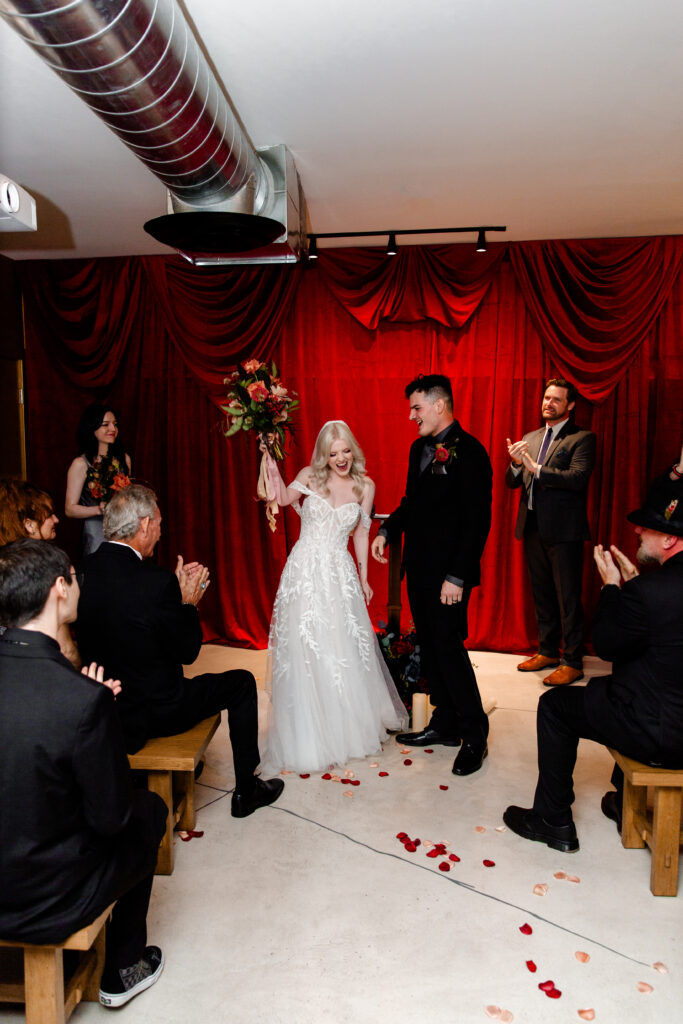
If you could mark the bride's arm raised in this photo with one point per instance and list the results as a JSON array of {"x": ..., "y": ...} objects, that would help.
[
  {"x": 361, "y": 539},
  {"x": 285, "y": 495}
]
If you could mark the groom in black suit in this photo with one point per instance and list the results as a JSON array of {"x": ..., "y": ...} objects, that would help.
[
  {"x": 444, "y": 518},
  {"x": 140, "y": 621}
]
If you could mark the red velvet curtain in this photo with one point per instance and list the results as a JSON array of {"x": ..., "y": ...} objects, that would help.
[{"x": 155, "y": 338}]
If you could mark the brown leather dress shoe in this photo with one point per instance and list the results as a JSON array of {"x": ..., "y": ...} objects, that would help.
[
  {"x": 538, "y": 662},
  {"x": 563, "y": 675}
]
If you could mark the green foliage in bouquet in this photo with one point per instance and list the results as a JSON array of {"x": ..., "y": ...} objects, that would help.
[
  {"x": 258, "y": 400},
  {"x": 402, "y": 657}
]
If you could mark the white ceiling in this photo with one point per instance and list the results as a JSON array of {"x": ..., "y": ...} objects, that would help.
[{"x": 560, "y": 120}]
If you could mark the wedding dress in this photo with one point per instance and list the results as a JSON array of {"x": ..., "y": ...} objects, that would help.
[{"x": 332, "y": 695}]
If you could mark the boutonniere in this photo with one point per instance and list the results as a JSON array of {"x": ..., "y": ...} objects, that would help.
[{"x": 443, "y": 456}]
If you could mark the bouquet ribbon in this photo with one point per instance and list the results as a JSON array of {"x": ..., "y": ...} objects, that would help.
[{"x": 267, "y": 491}]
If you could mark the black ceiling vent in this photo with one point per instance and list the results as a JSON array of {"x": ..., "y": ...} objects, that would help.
[{"x": 218, "y": 233}]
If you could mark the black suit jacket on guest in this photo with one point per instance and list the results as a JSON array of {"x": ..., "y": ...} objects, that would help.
[
  {"x": 444, "y": 518},
  {"x": 64, "y": 787},
  {"x": 559, "y": 496},
  {"x": 640, "y": 629},
  {"x": 131, "y": 619}
]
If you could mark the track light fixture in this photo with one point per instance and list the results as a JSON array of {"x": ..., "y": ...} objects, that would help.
[{"x": 392, "y": 248}]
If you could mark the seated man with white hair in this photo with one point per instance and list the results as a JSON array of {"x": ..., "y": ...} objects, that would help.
[{"x": 141, "y": 622}]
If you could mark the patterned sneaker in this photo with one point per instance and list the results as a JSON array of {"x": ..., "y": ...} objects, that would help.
[{"x": 134, "y": 980}]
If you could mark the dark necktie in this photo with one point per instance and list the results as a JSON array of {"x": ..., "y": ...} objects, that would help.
[
  {"x": 428, "y": 453},
  {"x": 540, "y": 460}
]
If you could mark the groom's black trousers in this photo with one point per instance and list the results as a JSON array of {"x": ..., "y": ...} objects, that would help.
[{"x": 441, "y": 633}]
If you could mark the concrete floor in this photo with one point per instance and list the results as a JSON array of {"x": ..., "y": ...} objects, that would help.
[{"x": 312, "y": 912}]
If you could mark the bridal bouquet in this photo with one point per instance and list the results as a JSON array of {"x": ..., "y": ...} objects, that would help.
[{"x": 258, "y": 400}]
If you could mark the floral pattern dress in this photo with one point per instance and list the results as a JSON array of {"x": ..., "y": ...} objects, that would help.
[{"x": 332, "y": 697}]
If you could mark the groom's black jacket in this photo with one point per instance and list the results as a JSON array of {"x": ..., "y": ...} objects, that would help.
[{"x": 444, "y": 517}]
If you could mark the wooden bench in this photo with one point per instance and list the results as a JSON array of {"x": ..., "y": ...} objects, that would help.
[
  {"x": 48, "y": 999},
  {"x": 170, "y": 762},
  {"x": 659, "y": 828}
]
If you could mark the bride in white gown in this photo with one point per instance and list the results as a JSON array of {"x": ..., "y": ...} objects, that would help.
[{"x": 332, "y": 695}]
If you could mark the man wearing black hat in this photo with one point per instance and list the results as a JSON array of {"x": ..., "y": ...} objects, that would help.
[{"x": 638, "y": 709}]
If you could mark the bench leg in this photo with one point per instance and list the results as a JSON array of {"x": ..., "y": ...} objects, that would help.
[
  {"x": 184, "y": 782},
  {"x": 633, "y": 808},
  {"x": 666, "y": 834},
  {"x": 162, "y": 784},
  {"x": 44, "y": 981},
  {"x": 91, "y": 990}
]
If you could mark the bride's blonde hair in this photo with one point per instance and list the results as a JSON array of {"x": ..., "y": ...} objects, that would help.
[{"x": 336, "y": 430}]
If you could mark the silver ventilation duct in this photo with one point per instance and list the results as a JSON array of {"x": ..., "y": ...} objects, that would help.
[{"x": 139, "y": 67}]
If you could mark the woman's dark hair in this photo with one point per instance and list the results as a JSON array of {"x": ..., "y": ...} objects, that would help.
[
  {"x": 19, "y": 501},
  {"x": 90, "y": 421},
  {"x": 28, "y": 569}
]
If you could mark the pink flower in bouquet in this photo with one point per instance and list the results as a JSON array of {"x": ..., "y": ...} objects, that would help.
[
  {"x": 278, "y": 390},
  {"x": 252, "y": 365},
  {"x": 258, "y": 392}
]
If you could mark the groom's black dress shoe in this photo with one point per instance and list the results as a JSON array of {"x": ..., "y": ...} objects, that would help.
[
  {"x": 609, "y": 806},
  {"x": 264, "y": 793},
  {"x": 426, "y": 738},
  {"x": 530, "y": 825},
  {"x": 470, "y": 759}
]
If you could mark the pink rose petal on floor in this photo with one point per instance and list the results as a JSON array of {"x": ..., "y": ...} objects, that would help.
[
  {"x": 583, "y": 958},
  {"x": 406, "y": 750},
  {"x": 407, "y": 761},
  {"x": 454, "y": 857},
  {"x": 374, "y": 764},
  {"x": 560, "y": 874},
  {"x": 347, "y": 792},
  {"x": 336, "y": 778},
  {"x": 479, "y": 828},
  {"x": 427, "y": 844},
  {"x": 541, "y": 889},
  {"x": 586, "y": 1014},
  {"x": 573, "y": 878},
  {"x": 285, "y": 772},
  {"x": 443, "y": 787},
  {"x": 348, "y": 774},
  {"x": 526, "y": 929},
  {"x": 489, "y": 863},
  {"x": 643, "y": 986},
  {"x": 493, "y": 1011},
  {"x": 304, "y": 775},
  {"x": 531, "y": 966},
  {"x": 501, "y": 828},
  {"x": 662, "y": 968},
  {"x": 382, "y": 775},
  {"x": 506, "y": 1017},
  {"x": 444, "y": 866}
]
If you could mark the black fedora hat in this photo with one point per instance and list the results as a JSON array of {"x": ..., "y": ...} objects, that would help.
[{"x": 663, "y": 507}]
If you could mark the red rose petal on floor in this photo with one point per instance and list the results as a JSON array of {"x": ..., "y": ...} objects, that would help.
[
  {"x": 407, "y": 761},
  {"x": 382, "y": 774},
  {"x": 454, "y": 857},
  {"x": 418, "y": 842},
  {"x": 489, "y": 863},
  {"x": 526, "y": 929},
  {"x": 531, "y": 966},
  {"x": 546, "y": 986},
  {"x": 553, "y": 993},
  {"x": 305, "y": 775},
  {"x": 355, "y": 782},
  {"x": 345, "y": 782},
  {"x": 444, "y": 866},
  {"x": 410, "y": 847},
  {"x": 428, "y": 750},
  {"x": 443, "y": 787},
  {"x": 433, "y": 853},
  {"x": 401, "y": 835},
  {"x": 326, "y": 776}
]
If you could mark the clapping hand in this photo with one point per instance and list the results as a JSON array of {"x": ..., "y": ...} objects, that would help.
[
  {"x": 193, "y": 579},
  {"x": 517, "y": 450},
  {"x": 96, "y": 672},
  {"x": 610, "y": 572}
]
